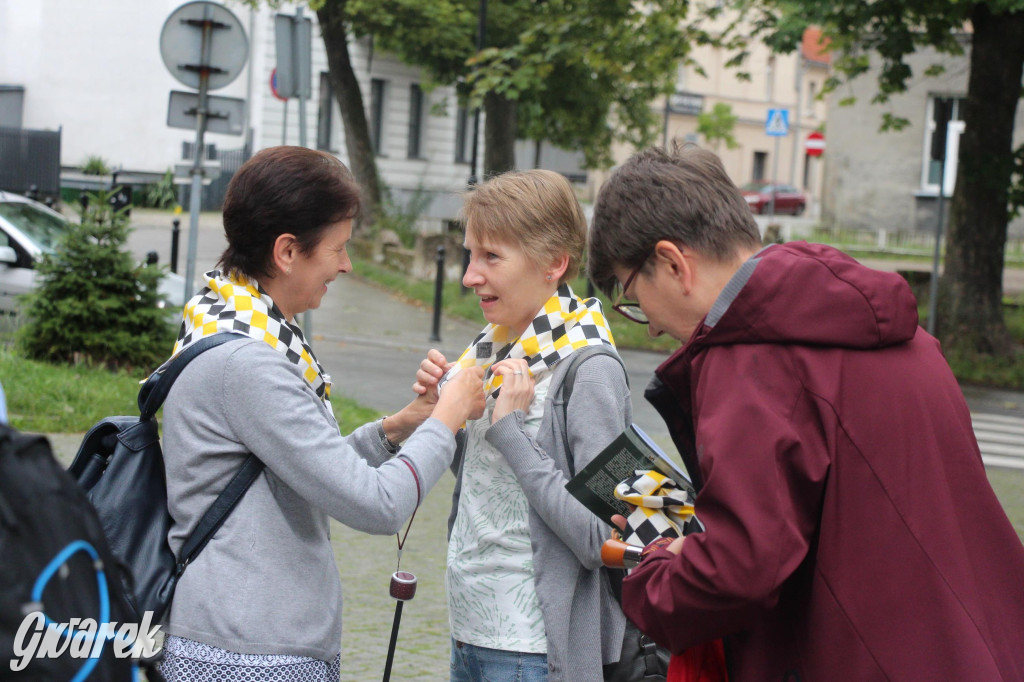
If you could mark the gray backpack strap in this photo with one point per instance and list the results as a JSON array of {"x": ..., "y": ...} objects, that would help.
[{"x": 575, "y": 360}]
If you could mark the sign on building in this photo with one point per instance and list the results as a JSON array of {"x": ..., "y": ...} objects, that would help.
[{"x": 777, "y": 124}]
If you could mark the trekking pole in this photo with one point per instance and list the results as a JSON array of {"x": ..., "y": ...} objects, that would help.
[{"x": 403, "y": 588}]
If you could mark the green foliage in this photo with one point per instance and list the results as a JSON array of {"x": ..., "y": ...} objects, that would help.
[
  {"x": 582, "y": 73},
  {"x": 402, "y": 219},
  {"x": 93, "y": 303},
  {"x": 95, "y": 165},
  {"x": 161, "y": 194},
  {"x": 717, "y": 125}
]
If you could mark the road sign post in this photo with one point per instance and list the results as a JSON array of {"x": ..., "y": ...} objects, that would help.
[
  {"x": 204, "y": 46},
  {"x": 293, "y": 43},
  {"x": 777, "y": 126}
]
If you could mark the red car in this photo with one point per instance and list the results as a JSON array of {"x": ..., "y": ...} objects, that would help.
[{"x": 788, "y": 199}]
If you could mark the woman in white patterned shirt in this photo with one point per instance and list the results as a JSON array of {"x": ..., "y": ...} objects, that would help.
[{"x": 526, "y": 597}]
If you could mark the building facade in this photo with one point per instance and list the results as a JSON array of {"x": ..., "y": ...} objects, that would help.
[
  {"x": 791, "y": 82},
  {"x": 95, "y": 72},
  {"x": 889, "y": 180}
]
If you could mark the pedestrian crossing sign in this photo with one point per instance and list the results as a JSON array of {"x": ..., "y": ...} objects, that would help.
[{"x": 777, "y": 123}]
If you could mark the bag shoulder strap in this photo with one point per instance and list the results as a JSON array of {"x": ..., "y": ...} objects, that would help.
[
  {"x": 218, "y": 512},
  {"x": 575, "y": 360},
  {"x": 151, "y": 397},
  {"x": 158, "y": 385}
]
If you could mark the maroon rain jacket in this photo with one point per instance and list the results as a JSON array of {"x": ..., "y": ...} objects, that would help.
[{"x": 851, "y": 532}]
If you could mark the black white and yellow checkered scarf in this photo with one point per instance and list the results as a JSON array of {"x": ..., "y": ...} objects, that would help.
[
  {"x": 564, "y": 324},
  {"x": 662, "y": 507},
  {"x": 239, "y": 305}
]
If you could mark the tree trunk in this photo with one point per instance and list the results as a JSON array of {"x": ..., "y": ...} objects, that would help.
[
  {"x": 971, "y": 318},
  {"x": 499, "y": 135},
  {"x": 361, "y": 157}
]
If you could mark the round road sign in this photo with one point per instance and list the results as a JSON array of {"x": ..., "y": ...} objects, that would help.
[
  {"x": 815, "y": 144},
  {"x": 181, "y": 44},
  {"x": 273, "y": 86}
]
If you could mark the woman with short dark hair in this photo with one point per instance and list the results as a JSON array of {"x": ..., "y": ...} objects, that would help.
[{"x": 263, "y": 598}]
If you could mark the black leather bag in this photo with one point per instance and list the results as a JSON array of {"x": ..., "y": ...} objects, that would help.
[
  {"x": 120, "y": 466},
  {"x": 641, "y": 659}
]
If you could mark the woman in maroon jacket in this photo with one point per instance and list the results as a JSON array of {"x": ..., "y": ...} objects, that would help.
[{"x": 850, "y": 530}]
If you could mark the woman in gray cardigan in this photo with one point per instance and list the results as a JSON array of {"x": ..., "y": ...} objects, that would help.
[
  {"x": 263, "y": 598},
  {"x": 525, "y": 589}
]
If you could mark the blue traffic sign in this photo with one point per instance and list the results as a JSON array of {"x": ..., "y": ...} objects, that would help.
[{"x": 777, "y": 123}]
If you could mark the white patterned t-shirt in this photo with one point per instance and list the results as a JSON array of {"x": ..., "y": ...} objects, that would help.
[{"x": 492, "y": 601}]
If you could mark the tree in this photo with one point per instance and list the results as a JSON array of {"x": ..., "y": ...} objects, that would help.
[
  {"x": 989, "y": 178},
  {"x": 335, "y": 19},
  {"x": 580, "y": 74},
  {"x": 94, "y": 303},
  {"x": 334, "y": 27},
  {"x": 717, "y": 125}
]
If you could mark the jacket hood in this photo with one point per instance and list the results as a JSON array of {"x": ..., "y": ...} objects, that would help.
[{"x": 811, "y": 294}]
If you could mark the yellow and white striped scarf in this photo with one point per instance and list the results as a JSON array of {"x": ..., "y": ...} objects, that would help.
[
  {"x": 564, "y": 324},
  {"x": 239, "y": 305}
]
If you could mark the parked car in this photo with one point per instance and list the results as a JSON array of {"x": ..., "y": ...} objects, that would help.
[
  {"x": 788, "y": 199},
  {"x": 28, "y": 229}
]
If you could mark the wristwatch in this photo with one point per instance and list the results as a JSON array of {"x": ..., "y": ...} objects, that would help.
[{"x": 388, "y": 445}]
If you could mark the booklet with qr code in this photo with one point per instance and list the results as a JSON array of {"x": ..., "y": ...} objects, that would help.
[{"x": 632, "y": 450}]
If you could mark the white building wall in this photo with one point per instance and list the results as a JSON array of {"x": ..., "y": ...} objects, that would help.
[
  {"x": 436, "y": 172},
  {"x": 94, "y": 70}
]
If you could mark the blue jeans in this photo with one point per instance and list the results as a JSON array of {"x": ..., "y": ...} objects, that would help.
[{"x": 478, "y": 664}]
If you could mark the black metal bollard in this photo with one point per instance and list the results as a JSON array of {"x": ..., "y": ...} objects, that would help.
[
  {"x": 435, "y": 334},
  {"x": 83, "y": 199},
  {"x": 175, "y": 235}
]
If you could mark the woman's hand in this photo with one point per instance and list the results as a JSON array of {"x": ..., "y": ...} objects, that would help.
[
  {"x": 462, "y": 398},
  {"x": 516, "y": 387},
  {"x": 432, "y": 368}
]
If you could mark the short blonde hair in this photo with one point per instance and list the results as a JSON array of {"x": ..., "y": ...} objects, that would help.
[{"x": 536, "y": 210}]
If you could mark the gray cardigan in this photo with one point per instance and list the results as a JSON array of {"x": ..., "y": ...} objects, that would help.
[
  {"x": 267, "y": 582},
  {"x": 583, "y": 622}
]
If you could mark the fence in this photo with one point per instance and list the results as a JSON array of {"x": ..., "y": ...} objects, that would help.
[
  {"x": 213, "y": 194},
  {"x": 30, "y": 158}
]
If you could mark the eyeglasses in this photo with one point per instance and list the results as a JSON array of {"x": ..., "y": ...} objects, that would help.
[{"x": 630, "y": 309}]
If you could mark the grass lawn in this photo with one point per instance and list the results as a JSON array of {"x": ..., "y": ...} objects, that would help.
[{"x": 47, "y": 398}]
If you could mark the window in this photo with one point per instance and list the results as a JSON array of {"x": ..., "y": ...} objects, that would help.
[
  {"x": 416, "y": 127},
  {"x": 812, "y": 92},
  {"x": 760, "y": 161},
  {"x": 938, "y": 109},
  {"x": 325, "y": 114},
  {"x": 463, "y": 136},
  {"x": 377, "y": 90},
  {"x": 769, "y": 79}
]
